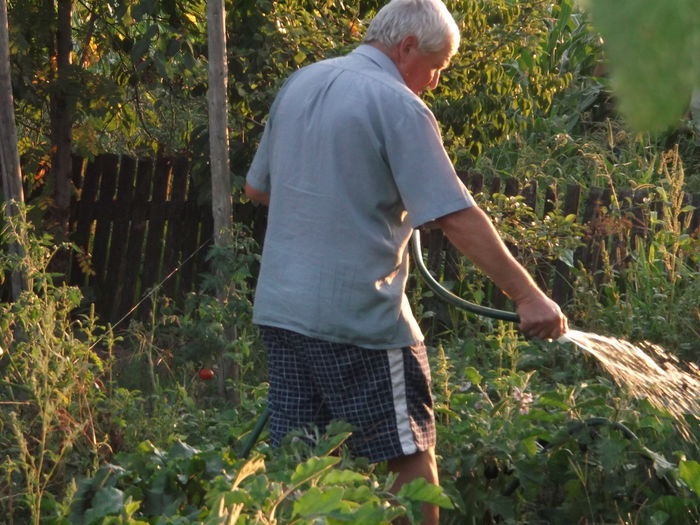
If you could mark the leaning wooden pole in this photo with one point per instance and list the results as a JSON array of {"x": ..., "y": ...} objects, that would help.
[
  {"x": 9, "y": 156},
  {"x": 222, "y": 206}
]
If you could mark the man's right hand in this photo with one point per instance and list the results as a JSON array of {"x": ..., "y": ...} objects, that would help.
[
  {"x": 542, "y": 318},
  {"x": 473, "y": 233}
]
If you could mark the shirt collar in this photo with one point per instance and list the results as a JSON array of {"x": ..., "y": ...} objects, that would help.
[{"x": 379, "y": 58}]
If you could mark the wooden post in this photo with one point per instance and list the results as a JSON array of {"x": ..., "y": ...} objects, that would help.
[
  {"x": 9, "y": 156},
  {"x": 61, "y": 110},
  {"x": 218, "y": 121},
  {"x": 218, "y": 147}
]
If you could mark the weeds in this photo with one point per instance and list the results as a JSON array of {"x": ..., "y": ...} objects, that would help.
[
  {"x": 648, "y": 289},
  {"x": 50, "y": 383}
]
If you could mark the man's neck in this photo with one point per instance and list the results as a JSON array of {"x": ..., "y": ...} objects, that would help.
[{"x": 391, "y": 52}]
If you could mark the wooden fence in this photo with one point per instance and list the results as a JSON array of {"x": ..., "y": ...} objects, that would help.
[
  {"x": 607, "y": 238},
  {"x": 137, "y": 221},
  {"x": 141, "y": 220}
]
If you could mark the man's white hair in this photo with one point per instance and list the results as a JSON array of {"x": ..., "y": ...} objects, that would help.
[{"x": 428, "y": 20}]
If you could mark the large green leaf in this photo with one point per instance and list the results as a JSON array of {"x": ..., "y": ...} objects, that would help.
[
  {"x": 312, "y": 467},
  {"x": 343, "y": 476},
  {"x": 420, "y": 490},
  {"x": 653, "y": 50},
  {"x": 690, "y": 473},
  {"x": 317, "y": 502},
  {"x": 107, "y": 500}
]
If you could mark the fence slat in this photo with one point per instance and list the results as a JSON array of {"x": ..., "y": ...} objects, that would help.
[
  {"x": 76, "y": 275},
  {"x": 84, "y": 216},
  {"x": 562, "y": 289},
  {"x": 137, "y": 230},
  {"x": 590, "y": 217},
  {"x": 618, "y": 243},
  {"x": 512, "y": 187},
  {"x": 117, "y": 261},
  {"x": 602, "y": 233},
  {"x": 191, "y": 238},
  {"x": 173, "y": 253},
  {"x": 529, "y": 194},
  {"x": 477, "y": 181},
  {"x": 550, "y": 199},
  {"x": 543, "y": 270},
  {"x": 108, "y": 165},
  {"x": 498, "y": 298},
  {"x": 156, "y": 225}
]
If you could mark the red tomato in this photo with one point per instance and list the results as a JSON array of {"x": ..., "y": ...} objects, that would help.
[{"x": 206, "y": 374}]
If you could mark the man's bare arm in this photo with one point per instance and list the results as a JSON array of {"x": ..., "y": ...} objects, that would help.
[{"x": 473, "y": 233}]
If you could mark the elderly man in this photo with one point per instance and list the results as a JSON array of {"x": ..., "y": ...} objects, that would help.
[{"x": 351, "y": 161}]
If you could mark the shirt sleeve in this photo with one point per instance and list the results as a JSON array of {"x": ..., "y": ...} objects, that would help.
[
  {"x": 258, "y": 175},
  {"x": 422, "y": 170}
]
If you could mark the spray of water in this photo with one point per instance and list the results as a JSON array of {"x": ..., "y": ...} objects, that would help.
[{"x": 647, "y": 371}]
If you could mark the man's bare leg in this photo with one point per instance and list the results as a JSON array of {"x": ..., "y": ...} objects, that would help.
[{"x": 418, "y": 465}]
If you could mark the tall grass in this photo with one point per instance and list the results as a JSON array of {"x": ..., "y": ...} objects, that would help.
[
  {"x": 49, "y": 384},
  {"x": 650, "y": 290}
]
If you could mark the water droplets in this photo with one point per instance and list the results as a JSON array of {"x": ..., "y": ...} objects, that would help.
[{"x": 647, "y": 371}]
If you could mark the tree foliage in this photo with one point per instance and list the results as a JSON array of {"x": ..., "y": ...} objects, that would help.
[
  {"x": 138, "y": 77},
  {"x": 514, "y": 59},
  {"x": 269, "y": 40},
  {"x": 654, "y": 52}
]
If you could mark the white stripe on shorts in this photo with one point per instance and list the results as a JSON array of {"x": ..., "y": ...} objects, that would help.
[{"x": 398, "y": 387}]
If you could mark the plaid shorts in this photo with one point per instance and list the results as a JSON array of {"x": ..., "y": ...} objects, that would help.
[{"x": 384, "y": 394}]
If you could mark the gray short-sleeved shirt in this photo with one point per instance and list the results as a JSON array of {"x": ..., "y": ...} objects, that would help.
[{"x": 353, "y": 161}]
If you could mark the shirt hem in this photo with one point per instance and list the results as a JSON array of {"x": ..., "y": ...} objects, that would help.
[{"x": 334, "y": 339}]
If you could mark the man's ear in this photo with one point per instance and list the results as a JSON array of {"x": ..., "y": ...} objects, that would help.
[{"x": 407, "y": 46}]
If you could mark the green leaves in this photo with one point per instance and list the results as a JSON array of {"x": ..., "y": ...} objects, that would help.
[
  {"x": 108, "y": 500},
  {"x": 690, "y": 473},
  {"x": 654, "y": 52},
  {"x": 473, "y": 375},
  {"x": 514, "y": 58},
  {"x": 299, "y": 57},
  {"x": 179, "y": 486},
  {"x": 317, "y": 502},
  {"x": 421, "y": 491},
  {"x": 311, "y": 468},
  {"x": 414, "y": 494}
]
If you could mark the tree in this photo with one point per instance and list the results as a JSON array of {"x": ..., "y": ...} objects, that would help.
[
  {"x": 653, "y": 47},
  {"x": 9, "y": 157},
  {"x": 96, "y": 76},
  {"x": 43, "y": 27},
  {"x": 62, "y": 107}
]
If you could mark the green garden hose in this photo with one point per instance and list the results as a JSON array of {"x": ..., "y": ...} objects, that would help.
[
  {"x": 448, "y": 296},
  {"x": 255, "y": 433},
  {"x": 441, "y": 292}
]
